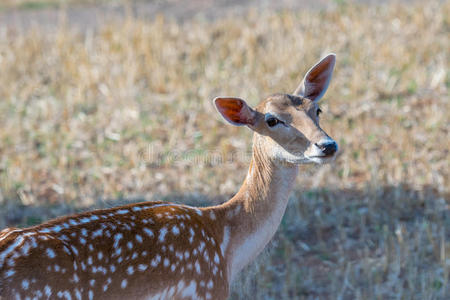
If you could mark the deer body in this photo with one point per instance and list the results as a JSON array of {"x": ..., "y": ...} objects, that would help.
[
  {"x": 159, "y": 250},
  {"x": 130, "y": 252}
]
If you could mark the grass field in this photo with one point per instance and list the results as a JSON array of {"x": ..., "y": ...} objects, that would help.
[
  {"x": 121, "y": 113},
  {"x": 43, "y": 4}
]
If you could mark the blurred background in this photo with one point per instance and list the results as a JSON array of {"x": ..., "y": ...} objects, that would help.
[{"x": 109, "y": 102}]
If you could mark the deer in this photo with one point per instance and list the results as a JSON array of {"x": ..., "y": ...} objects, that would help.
[{"x": 163, "y": 250}]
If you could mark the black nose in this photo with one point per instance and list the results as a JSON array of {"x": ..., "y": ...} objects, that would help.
[{"x": 328, "y": 148}]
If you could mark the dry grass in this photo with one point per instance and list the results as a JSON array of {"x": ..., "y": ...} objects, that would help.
[
  {"x": 125, "y": 112},
  {"x": 42, "y": 4}
]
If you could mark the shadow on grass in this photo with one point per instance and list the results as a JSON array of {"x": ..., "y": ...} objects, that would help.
[
  {"x": 387, "y": 242},
  {"x": 14, "y": 214}
]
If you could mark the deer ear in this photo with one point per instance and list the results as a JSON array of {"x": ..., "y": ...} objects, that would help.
[
  {"x": 235, "y": 111},
  {"x": 317, "y": 79}
]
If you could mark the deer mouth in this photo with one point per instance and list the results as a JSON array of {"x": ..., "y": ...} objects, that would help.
[
  {"x": 321, "y": 158},
  {"x": 331, "y": 155}
]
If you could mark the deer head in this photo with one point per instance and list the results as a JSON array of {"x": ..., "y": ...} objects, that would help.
[{"x": 287, "y": 126}]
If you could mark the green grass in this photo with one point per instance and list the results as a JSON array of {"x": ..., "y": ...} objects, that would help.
[
  {"x": 43, "y": 4},
  {"x": 29, "y": 5},
  {"x": 91, "y": 120},
  {"x": 33, "y": 5}
]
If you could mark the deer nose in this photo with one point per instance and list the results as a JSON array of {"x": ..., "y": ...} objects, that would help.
[{"x": 328, "y": 147}]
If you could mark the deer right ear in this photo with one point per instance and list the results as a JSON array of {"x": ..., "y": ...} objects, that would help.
[
  {"x": 235, "y": 111},
  {"x": 316, "y": 80}
]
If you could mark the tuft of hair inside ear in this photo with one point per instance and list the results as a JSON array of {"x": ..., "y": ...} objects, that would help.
[
  {"x": 316, "y": 81},
  {"x": 235, "y": 111}
]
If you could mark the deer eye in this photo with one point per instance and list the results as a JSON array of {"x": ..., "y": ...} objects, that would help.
[
  {"x": 272, "y": 121},
  {"x": 319, "y": 111}
]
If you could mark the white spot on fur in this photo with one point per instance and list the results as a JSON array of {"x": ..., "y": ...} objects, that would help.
[
  {"x": 106, "y": 285},
  {"x": 47, "y": 291},
  {"x": 18, "y": 241},
  {"x": 148, "y": 232},
  {"x": 225, "y": 240},
  {"x": 78, "y": 294},
  {"x": 85, "y": 220},
  {"x": 65, "y": 249},
  {"x": 97, "y": 233},
  {"x": 210, "y": 284},
  {"x": 192, "y": 235},
  {"x": 201, "y": 246},
  {"x": 25, "y": 284},
  {"x": 124, "y": 283},
  {"x": 142, "y": 267},
  {"x": 162, "y": 234},
  {"x": 190, "y": 290},
  {"x": 175, "y": 230},
  {"x": 56, "y": 228},
  {"x": 155, "y": 261},
  {"x": 216, "y": 258},
  {"x": 74, "y": 250},
  {"x": 130, "y": 270},
  {"x": 138, "y": 238},
  {"x": 197, "y": 267}
]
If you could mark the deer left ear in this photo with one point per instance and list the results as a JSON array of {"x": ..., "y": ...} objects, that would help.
[
  {"x": 235, "y": 111},
  {"x": 317, "y": 79}
]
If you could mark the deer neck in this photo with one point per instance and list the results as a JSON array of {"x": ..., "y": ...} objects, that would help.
[{"x": 253, "y": 215}]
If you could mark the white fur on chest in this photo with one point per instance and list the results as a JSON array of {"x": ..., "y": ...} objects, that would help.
[
  {"x": 254, "y": 243},
  {"x": 247, "y": 249}
]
